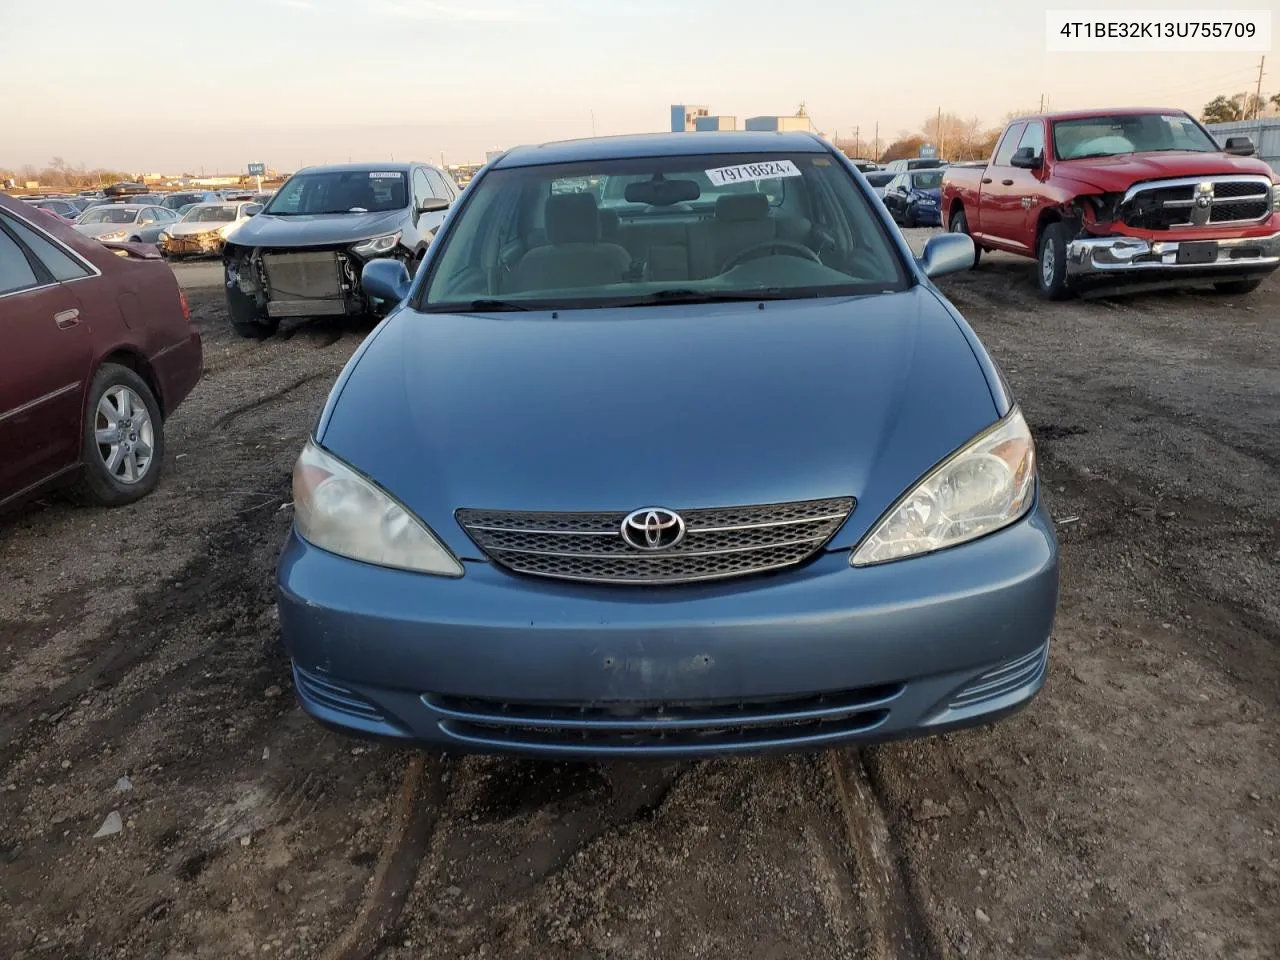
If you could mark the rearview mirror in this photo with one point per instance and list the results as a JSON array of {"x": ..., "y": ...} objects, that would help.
[
  {"x": 662, "y": 193},
  {"x": 1027, "y": 158},
  {"x": 948, "y": 253},
  {"x": 432, "y": 204},
  {"x": 385, "y": 279},
  {"x": 1240, "y": 147}
]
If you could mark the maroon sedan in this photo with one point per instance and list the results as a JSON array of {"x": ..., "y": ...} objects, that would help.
[{"x": 98, "y": 349}]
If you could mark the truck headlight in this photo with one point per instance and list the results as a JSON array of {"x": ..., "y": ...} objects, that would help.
[
  {"x": 377, "y": 246},
  {"x": 987, "y": 484},
  {"x": 337, "y": 509},
  {"x": 1275, "y": 198}
]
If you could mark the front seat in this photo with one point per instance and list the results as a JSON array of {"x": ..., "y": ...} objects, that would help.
[{"x": 574, "y": 256}]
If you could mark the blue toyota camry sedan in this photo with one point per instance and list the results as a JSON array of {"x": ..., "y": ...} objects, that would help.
[{"x": 669, "y": 447}]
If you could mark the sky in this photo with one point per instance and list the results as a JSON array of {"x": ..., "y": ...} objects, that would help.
[{"x": 213, "y": 86}]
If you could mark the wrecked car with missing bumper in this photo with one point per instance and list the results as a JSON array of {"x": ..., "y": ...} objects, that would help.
[
  {"x": 303, "y": 255},
  {"x": 1126, "y": 199}
]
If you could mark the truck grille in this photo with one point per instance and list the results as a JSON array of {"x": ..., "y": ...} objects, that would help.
[
  {"x": 303, "y": 276},
  {"x": 718, "y": 543},
  {"x": 1197, "y": 202}
]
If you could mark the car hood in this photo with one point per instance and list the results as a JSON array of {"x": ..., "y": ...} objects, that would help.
[
  {"x": 618, "y": 409},
  {"x": 192, "y": 228},
  {"x": 1117, "y": 174},
  {"x": 98, "y": 229},
  {"x": 314, "y": 230}
]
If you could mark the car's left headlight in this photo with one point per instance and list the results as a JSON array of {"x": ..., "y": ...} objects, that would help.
[
  {"x": 165, "y": 235},
  {"x": 987, "y": 484},
  {"x": 337, "y": 509},
  {"x": 927, "y": 201},
  {"x": 114, "y": 235},
  {"x": 376, "y": 246}
]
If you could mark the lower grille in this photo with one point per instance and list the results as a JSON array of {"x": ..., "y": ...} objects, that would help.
[
  {"x": 718, "y": 543},
  {"x": 1003, "y": 679},
  {"x": 334, "y": 697},
  {"x": 303, "y": 276},
  {"x": 697, "y": 724}
]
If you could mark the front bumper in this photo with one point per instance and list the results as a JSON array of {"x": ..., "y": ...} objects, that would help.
[
  {"x": 927, "y": 215},
  {"x": 1121, "y": 256},
  {"x": 192, "y": 246},
  {"x": 820, "y": 654}
]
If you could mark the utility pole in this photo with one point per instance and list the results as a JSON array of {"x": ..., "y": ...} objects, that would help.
[
  {"x": 1042, "y": 103},
  {"x": 857, "y": 141},
  {"x": 1257, "y": 94},
  {"x": 876, "y": 148},
  {"x": 938, "y": 133}
]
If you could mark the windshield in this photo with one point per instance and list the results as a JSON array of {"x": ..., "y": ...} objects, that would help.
[
  {"x": 662, "y": 230},
  {"x": 108, "y": 215},
  {"x": 211, "y": 214},
  {"x": 927, "y": 181},
  {"x": 1136, "y": 133},
  {"x": 341, "y": 191}
]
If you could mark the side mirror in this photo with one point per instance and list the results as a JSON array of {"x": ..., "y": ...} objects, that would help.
[
  {"x": 948, "y": 253},
  {"x": 432, "y": 204},
  {"x": 1240, "y": 147},
  {"x": 385, "y": 279},
  {"x": 1027, "y": 159}
]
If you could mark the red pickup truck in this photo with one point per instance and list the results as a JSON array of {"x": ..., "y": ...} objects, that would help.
[{"x": 1131, "y": 198}]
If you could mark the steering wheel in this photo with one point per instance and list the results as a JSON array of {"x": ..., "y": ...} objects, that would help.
[{"x": 757, "y": 250}]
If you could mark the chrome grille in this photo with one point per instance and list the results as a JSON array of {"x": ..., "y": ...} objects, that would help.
[
  {"x": 718, "y": 543},
  {"x": 303, "y": 276},
  {"x": 1197, "y": 202}
]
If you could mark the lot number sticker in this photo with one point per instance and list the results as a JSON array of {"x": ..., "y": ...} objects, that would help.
[
  {"x": 744, "y": 172},
  {"x": 395, "y": 175}
]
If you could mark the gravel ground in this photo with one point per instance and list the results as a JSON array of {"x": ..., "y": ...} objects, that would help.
[{"x": 1131, "y": 811}]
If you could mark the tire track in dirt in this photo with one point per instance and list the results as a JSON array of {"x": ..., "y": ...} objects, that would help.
[
  {"x": 278, "y": 394},
  {"x": 415, "y": 815},
  {"x": 897, "y": 926}
]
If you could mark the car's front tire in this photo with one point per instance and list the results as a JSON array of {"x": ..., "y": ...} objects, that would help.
[
  {"x": 909, "y": 220},
  {"x": 1051, "y": 263},
  {"x": 247, "y": 319},
  {"x": 123, "y": 444}
]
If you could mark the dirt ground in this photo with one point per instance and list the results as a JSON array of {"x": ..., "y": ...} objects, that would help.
[{"x": 1131, "y": 811}]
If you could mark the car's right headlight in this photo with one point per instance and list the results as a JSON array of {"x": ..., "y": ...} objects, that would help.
[
  {"x": 337, "y": 509},
  {"x": 987, "y": 484}
]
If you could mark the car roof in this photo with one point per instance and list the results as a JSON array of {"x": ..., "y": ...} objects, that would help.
[
  {"x": 1100, "y": 112},
  {"x": 660, "y": 145},
  {"x": 131, "y": 206},
  {"x": 402, "y": 166}
]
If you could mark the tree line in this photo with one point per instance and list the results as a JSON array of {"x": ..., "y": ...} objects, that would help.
[
  {"x": 59, "y": 173},
  {"x": 1242, "y": 106}
]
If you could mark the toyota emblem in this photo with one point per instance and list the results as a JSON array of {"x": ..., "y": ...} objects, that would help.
[{"x": 653, "y": 528}]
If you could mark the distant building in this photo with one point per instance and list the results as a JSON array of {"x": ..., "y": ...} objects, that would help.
[
  {"x": 684, "y": 117},
  {"x": 780, "y": 123},
  {"x": 716, "y": 123},
  {"x": 491, "y": 155}
]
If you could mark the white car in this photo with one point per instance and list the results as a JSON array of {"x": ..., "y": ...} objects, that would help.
[{"x": 203, "y": 229}]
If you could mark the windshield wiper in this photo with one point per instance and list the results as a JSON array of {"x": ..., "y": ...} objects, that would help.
[
  {"x": 491, "y": 305},
  {"x": 678, "y": 295}
]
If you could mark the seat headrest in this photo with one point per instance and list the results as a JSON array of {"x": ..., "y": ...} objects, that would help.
[
  {"x": 573, "y": 218},
  {"x": 742, "y": 206}
]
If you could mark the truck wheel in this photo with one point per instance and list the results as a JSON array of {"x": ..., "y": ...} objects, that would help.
[
  {"x": 960, "y": 224},
  {"x": 1052, "y": 263},
  {"x": 1237, "y": 287},
  {"x": 123, "y": 446}
]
